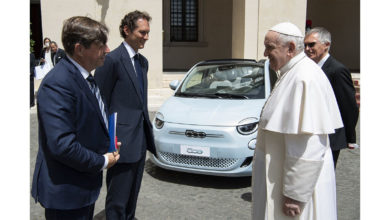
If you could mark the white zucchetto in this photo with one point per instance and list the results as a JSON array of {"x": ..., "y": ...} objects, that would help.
[{"x": 287, "y": 28}]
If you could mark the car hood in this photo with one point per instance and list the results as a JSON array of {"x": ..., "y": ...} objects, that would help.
[{"x": 210, "y": 112}]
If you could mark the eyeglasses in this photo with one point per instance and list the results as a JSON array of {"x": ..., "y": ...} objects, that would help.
[{"x": 310, "y": 44}]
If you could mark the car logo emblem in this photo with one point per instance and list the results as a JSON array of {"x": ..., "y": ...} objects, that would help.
[
  {"x": 195, "y": 134},
  {"x": 194, "y": 151}
]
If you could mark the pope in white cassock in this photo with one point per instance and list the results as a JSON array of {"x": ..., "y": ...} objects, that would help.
[{"x": 293, "y": 174}]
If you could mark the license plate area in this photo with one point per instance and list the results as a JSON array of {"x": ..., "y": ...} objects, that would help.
[{"x": 197, "y": 151}]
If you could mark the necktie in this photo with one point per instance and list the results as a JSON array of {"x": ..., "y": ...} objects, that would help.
[
  {"x": 138, "y": 70},
  {"x": 96, "y": 92}
]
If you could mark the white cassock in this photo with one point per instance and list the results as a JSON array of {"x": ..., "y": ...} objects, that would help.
[{"x": 292, "y": 156}]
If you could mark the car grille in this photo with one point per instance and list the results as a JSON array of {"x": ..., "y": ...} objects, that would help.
[{"x": 198, "y": 162}]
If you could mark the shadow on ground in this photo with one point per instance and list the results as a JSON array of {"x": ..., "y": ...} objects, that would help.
[
  {"x": 247, "y": 197},
  {"x": 198, "y": 180},
  {"x": 102, "y": 216}
]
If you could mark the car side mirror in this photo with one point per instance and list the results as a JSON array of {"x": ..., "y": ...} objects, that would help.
[{"x": 174, "y": 84}]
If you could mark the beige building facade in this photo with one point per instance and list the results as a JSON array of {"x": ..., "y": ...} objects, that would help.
[
  {"x": 109, "y": 12},
  {"x": 225, "y": 28}
]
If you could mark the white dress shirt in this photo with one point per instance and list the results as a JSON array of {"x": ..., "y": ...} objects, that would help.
[
  {"x": 131, "y": 52},
  {"x": 85, "y": 74},
  {"x": 323, "y": 60}
]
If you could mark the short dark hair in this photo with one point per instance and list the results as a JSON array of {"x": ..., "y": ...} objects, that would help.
[
  {"x": 130, "y": 20},
  {"x": 82, "y": 30},
  {"x": 53, "y": 42}
]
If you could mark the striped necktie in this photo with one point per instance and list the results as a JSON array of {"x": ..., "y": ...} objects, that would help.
[{"x": 95, "y": 90}]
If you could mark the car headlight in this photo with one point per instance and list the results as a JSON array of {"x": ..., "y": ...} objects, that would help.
[
  {"x": 247, "y": 126},
  {"x": 159, "y": 120}
]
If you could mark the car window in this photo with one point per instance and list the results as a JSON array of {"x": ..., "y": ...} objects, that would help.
[{"x": 243, "y": 80}]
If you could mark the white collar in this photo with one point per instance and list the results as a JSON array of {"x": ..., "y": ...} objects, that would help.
[
  {"x": 129, "y": 49},
  {"x": 83, "y": 71},
  {"x": 323, "y": 60},
  {"x": 291, "y": 63}
]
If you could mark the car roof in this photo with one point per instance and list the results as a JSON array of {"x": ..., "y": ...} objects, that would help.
[
  {"x": 225, "y": 61},
  {"x": 229, "y": 61}
]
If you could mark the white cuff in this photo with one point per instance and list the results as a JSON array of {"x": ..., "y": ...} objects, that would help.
[
  {"x": 300, "y": 178},
  {"x": 105, "y": 162}
]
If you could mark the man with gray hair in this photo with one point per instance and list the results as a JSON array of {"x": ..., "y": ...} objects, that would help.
[
  {"x": 293, "y": 173},
  {"x": 317, "y": 45}
]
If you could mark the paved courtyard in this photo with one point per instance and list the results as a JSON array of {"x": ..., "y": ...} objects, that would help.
[{"x": 173, "y": 195}]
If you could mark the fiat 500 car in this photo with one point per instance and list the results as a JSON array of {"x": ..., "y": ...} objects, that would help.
[{"x": 209, "y": 126}]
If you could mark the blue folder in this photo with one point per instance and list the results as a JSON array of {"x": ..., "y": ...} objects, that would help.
[{"x": 112, "y": 132}]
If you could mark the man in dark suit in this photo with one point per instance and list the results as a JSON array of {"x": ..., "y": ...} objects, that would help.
[
  {"x": 73, "y": 135},
  {"x": 123, "y": 82},
  {"x": 56, "y": 53},
  {"x": 317, "y": 44}
]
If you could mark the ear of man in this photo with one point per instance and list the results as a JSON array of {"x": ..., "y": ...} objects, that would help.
[
  {"x": 291, "y": 48},
  {"x": 327, "y": 44},
  {"x": 127, "y": 30},
  {"x": 78, "y": 50}
]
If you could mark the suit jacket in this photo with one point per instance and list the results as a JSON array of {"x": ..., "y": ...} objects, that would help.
[
  {"x": 55, "y": 58},
  {"x": 72, "y": 141},
  {"x": 121, "y": 90},
  {"x": 341, "y": 81},
  {"x": 42, "y": 53}
]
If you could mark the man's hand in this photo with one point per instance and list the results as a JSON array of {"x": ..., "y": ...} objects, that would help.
[
  {"x": 113, "y": 157},
  {"x": 291, "y": 207}
]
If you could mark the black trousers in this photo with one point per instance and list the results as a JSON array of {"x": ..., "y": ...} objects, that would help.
[
  {"x": 335, "y": 154},
  {"x": 123, "y": 184},
  {"x": 32, "y": 101},
  {"x": 85, "y": 213}
]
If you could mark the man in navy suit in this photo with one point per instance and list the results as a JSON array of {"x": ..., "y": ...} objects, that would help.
[
  {"x": 123, "y": 82},
  {"x": 73, "y": 135},
  {"x": 317, "y": 44},
  {"x": 56, "y": 53}
]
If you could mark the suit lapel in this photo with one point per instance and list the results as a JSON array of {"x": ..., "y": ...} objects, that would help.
[
  {"x": 82, "y": 83},
  {"x": 126, "y": 61},
  {"x": 327, "y": 64}
]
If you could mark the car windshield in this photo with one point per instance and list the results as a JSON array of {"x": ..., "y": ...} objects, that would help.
[{"x": 229, "y": 81}]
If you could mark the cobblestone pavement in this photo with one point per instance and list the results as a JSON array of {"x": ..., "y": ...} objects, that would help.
[{"x": 173, "y": 195}]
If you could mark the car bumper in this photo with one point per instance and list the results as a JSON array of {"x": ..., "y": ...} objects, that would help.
[
  {"x": 237, "y": 172},
  {"x": 229, "y": 154}
]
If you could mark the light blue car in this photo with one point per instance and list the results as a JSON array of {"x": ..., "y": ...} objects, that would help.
[{"x": 209, "y": 126}]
